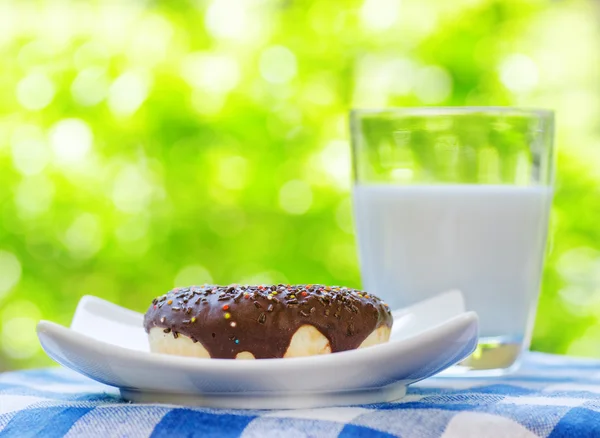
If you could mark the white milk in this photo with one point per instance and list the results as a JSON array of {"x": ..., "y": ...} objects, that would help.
[{"x": 488, "y": 241}]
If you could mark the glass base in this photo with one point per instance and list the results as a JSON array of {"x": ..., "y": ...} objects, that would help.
[{"x": 496, "y": 356}]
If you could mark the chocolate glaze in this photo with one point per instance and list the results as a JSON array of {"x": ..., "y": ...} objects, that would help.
[{"x": 262, "y": 319}]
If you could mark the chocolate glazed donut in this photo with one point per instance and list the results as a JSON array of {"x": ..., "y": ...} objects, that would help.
[{"x": 264, "y": 321}]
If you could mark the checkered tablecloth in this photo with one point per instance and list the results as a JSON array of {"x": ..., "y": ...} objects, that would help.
[{"x": 551, "y": 396}]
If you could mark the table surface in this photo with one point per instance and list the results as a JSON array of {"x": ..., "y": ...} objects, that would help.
[{"x": 550, "y": 396}]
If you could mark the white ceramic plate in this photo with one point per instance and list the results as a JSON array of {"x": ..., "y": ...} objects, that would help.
[{"x": 107, "y": 343}]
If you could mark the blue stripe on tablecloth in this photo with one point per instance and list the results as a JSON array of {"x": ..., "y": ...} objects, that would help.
[
  {"x": 499, "y": 389},
  {"x": 190, "y": 423},
  {"x": 47, "y": 422},
  {"x": 578, "y": 422},
  {"x": 424, "y": 405},
  {"x": 353, "y": 431}
]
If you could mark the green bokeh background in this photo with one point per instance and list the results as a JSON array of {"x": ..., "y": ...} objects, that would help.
[{"x": 147, "y": 144}]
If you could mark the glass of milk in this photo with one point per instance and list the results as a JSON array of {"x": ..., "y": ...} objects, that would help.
[{"x": 457, "y": 198}]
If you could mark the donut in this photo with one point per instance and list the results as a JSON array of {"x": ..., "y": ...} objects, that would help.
[{"x": 263, "y": 322}]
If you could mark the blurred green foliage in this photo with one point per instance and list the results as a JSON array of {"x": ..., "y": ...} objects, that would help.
[{"x": 147, "y": 144}]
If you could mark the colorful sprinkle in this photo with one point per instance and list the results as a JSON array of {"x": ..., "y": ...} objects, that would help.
[
  {"x": 292, "y": 296},
  {"x": 269, "y": 297},
  {"x": 225, "y": 307},
  {"x": 237, "y": 341},
  {"x": 304, "y": 293},
  {"x": 227, "y": 315},
  {"x": 193, "y": 319},
  {"x": 232, "y": 323},
  {"x": 170, "y": 302}
]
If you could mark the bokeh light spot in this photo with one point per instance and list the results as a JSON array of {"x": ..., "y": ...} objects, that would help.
[
  {"x": 265, "y": 277},
  {"x": 334, "y": 161},
  {"x": 587, "y": 343},
  {"x": 580, "y": 266},
  {"x": 19, "y": 339},
  {"x": 295, "y": 197},
  {"x": 150, "y": 41},
  {"x": 380, "y": 14},
  {"x": 10, "y": 267},
  {"x": 192, "y": 274},
  {"x": 278, "y": 65},
  {"x": 71, "y": 140},
  {"x": 132, "y": 190},
  {"x": 433, "y": 85},
  {"x": 20, "y": 307},
  {"x": 133, "y": 236},
  {"x": 343, "y": 216},
  {"x": 90, "y": 87},
  {"x": 379, "y": 76},
  {"x": 34, "y": 196},
  {"x": 84, "y": 237},
  {"x": 34, "y": 53},
  {"x": 133, "y": 228},
  {"x": 206, "y": 103},
  {"x": 35, "y": 91},
  {"x": 30, "y": 153},
  {"x": 91, "y": 54},
  {"x": 226, "y": 18},
  {"x": 218, "y": 73},
  {"x": 128, "y": 92},
  {"x": 321, "y": 91},
  {"x": 519, "y": 73}
]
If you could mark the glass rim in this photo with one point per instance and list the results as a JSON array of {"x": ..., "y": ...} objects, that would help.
[{"x": 451, "y": 111}]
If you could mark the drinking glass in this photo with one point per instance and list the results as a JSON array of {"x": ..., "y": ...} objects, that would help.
[{"x": 457, "y": 198}]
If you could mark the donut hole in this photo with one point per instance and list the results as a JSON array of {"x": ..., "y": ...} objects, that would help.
[
  {"x": 379, "y": 336},
  {"x": 245, "y": 355},
  {"x": 308, "y": 341},
  {"x": 161, "y": 342}
]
